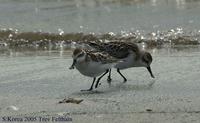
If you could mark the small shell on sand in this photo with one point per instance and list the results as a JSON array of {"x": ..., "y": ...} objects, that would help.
[
  {"x": 71, "y": 100},
  {"x": 12, "y": 108}
]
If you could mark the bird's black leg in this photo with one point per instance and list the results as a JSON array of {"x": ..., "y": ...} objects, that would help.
[
  {"x": 121, "y": 75},
  {"x": 109, "y": 77},
  {"x": 97, "y": 83},
  {"x": 91, "y": 85}
]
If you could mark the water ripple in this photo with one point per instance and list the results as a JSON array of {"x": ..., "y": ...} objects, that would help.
[{"x": 11, "y": 38}]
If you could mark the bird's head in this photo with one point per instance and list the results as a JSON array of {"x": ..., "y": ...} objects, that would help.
[
  {"x": 147, "y": 59},
  {"x": 79, "y": 55}
]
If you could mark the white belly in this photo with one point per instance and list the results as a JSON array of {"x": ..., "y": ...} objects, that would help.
[{"x": 92, "y": 69}]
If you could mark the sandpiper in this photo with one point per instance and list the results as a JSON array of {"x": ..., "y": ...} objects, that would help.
[
  {"x": 92, "y": 64},
  {"x": 128, "y": 52}
]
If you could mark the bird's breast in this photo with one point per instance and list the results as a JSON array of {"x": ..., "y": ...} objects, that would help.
[{"x": 91, "y": 69}]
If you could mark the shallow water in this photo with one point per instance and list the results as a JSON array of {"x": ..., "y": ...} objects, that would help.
[
  {"x": 99, "y": 16},
  {"x": 53, "y": 24},
  {"x": 45, "y": 24}
]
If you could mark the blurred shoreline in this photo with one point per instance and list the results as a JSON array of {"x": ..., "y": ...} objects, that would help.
[{"x": 13, "y": 39}]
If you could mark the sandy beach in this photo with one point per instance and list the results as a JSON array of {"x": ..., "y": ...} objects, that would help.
[
  {"x": 32, "y": 86},
  {"x": 36, "y": 42}
]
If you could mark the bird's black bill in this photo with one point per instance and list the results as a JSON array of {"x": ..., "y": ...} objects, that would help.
[
  {"x": 149, "y": 69},
  {"x": 73, "y": 64}
]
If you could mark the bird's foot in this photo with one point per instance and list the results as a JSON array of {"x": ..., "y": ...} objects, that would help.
[
  {"x": 109, "y": 80},
  {"x": 151, "y": 83},
  {"x": 97, "y": 85},
  {"x": 87, "y": 89},
  {"x": 125, "y": 80}
]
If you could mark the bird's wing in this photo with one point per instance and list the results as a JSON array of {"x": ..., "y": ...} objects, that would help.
[
  {"x": 116, "y": 49},
  {"x": 102, "y": 57}
]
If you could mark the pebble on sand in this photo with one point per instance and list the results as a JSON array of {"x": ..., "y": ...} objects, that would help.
[{"x": 71, "y": 100}]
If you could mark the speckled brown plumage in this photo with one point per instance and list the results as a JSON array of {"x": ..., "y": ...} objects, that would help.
[{"x": 118, "y": 50}]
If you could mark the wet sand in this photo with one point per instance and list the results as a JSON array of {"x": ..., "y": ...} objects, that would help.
[{"x": 34, "y": 84}]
